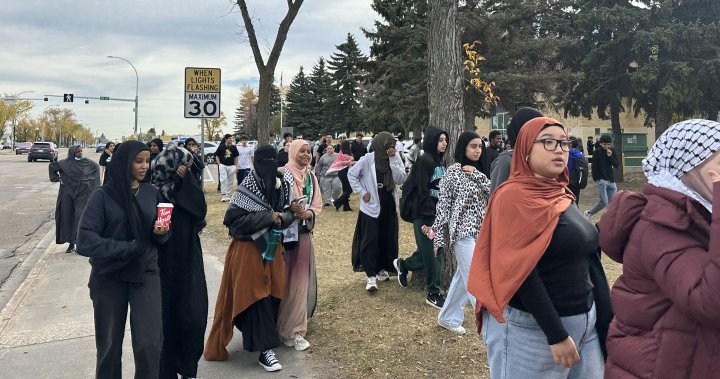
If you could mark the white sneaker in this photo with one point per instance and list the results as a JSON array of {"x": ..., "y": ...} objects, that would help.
[
  {"x": 383, "y": 276},
  {"x": 459, "y": 330},
  {"x": 371, "y": 284},
  {"x": 587, "y": 214},
  {"x": 298, "y": 342},
  {"x": 223, "y": 199}
]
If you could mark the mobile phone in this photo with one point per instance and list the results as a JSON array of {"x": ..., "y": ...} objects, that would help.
[{"x": 301, "y": 201}]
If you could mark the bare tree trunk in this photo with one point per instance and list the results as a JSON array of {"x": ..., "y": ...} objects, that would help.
[
  {"x": 445, "y": 88},
  {"x": 617, "y": 138},
  {"x": 267, "y": 71}
]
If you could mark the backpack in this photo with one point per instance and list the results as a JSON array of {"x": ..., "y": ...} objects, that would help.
[
  {"x": 579, "y": 173},
  {"x": 409, "y": 190}
]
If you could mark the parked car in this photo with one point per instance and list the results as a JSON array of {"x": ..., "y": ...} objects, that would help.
[
  {"x": 209, "y": 151},
  {"x": 43, "y": 150},
  {"x": 100, "y": 148},
  {"x": 6, "y": 147},
  {"x": 23, "y": 148}
]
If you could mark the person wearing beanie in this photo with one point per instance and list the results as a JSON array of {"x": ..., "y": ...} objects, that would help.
[
  {"x": 605, "y": 159},
  {"x": 667, "y": 237},
  {"x": 425, "y": 177},
  {"x": 500, "y": 167},
  {"x": 253, "y": 280}
]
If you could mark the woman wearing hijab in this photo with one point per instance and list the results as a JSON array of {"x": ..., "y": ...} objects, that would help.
[
  {"x": 300, "y": 280},
  {"x": 155, "y": 146},
  {"x": 105, "y": 159},
  {"x": 78, "y": 179},
  {"x": 425, "y": 177},
  {"x": 182, "y": 274},
  {"x": 198, "y": 163},
  {"x": 500, "y": 167},
  {"x": 341, "y": 165},
  {"x": 530, "y": 269},
  {"x": 376, "y": 178},
  {"x": 667, "y": 308},
  {"x": 464, "y": 193},
  {"x": 119, "y": 233},
  {"x": 253, "y": 281}
]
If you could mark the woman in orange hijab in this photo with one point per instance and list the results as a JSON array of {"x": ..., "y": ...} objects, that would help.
[{"x": 532, "y": 284}]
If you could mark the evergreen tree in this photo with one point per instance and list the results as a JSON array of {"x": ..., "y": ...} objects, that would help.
[
  {"x": 347, "y": 76},
  {"x": 679, "y": 61},
  {"x": 321, "y": 87},
  {"x": 299, "y": 102},
  {"x": 397, "y": 98}
]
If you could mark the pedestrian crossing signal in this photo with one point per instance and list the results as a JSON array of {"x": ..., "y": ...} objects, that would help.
[{"x": 68, "y": 98}]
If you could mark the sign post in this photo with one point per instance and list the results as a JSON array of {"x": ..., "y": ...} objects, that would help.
[{"x": 202, "y": 92}]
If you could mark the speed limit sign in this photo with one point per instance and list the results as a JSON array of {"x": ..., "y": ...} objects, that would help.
[{"x": 202, "y": 92}]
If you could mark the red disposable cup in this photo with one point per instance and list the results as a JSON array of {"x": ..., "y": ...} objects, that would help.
[{"x": 164, "y": 214}]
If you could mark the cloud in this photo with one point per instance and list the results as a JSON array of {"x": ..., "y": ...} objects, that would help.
[{"x": 61, "y": 47}]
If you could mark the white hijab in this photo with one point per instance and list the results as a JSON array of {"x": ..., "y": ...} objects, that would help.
[{"x": 680, "y": 149}]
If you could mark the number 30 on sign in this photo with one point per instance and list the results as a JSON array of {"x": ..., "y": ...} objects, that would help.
[{"x": 202, "y": 92}]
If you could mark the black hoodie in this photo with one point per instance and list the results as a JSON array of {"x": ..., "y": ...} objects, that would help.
[{"x": 427, "y": 173}]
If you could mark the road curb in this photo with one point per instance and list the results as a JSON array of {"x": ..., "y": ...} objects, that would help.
[{"x": 24, "y": 277}]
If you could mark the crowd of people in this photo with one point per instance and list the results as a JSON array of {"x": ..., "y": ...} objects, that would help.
[{"x": 541, "y": 300}]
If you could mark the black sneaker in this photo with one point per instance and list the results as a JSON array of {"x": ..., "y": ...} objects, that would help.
[
  {"x": 435, "y": 301},
  {"x": 401, "y": 271},
  {"x": 269, "y": 362}
]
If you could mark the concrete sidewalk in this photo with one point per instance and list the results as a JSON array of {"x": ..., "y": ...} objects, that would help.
[{"x": 46, "y": 329}]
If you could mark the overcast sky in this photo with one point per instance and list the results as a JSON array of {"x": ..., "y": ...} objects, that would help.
[{"x": 57, "y": 47}]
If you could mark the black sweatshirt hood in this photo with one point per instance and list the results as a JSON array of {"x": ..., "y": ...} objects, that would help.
[{"x": 430, "y": 141}]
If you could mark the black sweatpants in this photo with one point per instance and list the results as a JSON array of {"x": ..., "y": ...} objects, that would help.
[{"x": 110, "y": 299}]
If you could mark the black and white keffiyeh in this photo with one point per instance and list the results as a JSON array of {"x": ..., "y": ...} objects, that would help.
[
  {"x": 249, "y": 195},
  {"x": 680, "y": 149}
]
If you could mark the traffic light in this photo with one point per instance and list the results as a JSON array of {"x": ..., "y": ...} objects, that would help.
[{"x": 87, "y": 101}]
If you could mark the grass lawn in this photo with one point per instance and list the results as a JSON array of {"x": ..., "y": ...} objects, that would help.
[{"x": 392, "y": 333}]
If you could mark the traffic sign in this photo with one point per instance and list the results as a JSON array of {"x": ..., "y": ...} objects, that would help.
[
  {"x": 104, "y": 97},
  {"x": 68, "y": 98},
  {"x": 202, "y": 92}
]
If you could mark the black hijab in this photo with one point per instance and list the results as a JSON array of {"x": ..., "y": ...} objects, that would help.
[
  {"x": 266, "y": 169},
  {"x": 117, "y": 184},
  {"x": 159, "y": 144},
  {"x": 80, "y": 170},
  {"x": 482, "y": 165},
  {"x": 521, "y": 116},
  {"x": 380, "y": 144},
  {"x": 345, "y": 147}
]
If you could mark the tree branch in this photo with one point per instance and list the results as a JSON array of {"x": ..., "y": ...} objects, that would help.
[
  {"x": 251, "y": 35},
  {"x": 293, "y": 8}
]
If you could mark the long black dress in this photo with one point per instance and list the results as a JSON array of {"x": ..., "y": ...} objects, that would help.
[
  {"x": 182, "y": 277},
  {"x": 78, "y": 179}
]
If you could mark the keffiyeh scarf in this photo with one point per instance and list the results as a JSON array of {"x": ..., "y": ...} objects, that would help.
[{"x": 680, "y": 149}]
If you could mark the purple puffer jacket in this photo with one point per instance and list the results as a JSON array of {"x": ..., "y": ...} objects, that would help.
[{"x": 667, "y": 300}]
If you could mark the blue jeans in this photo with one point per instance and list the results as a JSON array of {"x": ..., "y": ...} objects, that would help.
[
  {"x": 606, "y": 191},
  {"x": 453, "y": 311},
  {"x": 519, "y": 348}
]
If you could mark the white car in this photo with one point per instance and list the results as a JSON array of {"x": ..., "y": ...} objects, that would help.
[{"x": 209, "y": 151}]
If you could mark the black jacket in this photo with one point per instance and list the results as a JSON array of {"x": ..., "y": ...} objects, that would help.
[
  {"x": 602, "y": 165},
  {"x": 358, "y": 150},
  {"x": 103, "y": 235},
  {"x": 426, "y": 176}
]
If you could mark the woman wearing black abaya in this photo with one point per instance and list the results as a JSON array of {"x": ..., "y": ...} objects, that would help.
[
  {"x": 118, "y": 232},
  {"x": 253, "y": 280},
  {"x": 182, "y": 275},
  {"x": 78, "y": 178},
  {"x": 344, "y": 199}
]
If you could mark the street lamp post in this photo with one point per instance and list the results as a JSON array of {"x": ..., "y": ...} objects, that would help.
[{"x": 137, "y": 81}]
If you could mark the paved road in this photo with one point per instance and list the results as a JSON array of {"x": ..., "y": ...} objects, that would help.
[{"x": 27, "y": 203}]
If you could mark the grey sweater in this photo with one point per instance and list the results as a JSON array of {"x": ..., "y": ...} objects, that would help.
[
  {"x": 324, "y": 163},
  {"x": 500, "y": 169}
]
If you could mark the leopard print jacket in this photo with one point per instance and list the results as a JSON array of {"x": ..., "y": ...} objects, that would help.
[{"x": 461, "y": 205}]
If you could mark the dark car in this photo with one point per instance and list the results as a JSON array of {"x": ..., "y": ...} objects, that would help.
[
  {"x": 43, "y": 150},
  {"x": 23, "y": 148},
  {"x": 99, "y": 148},
  {"x": 6, "y": 147}
]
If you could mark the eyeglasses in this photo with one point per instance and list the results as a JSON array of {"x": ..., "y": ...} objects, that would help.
[
  {"x": 342, "y": 138},
  {"x": 551, "y": 144}
]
